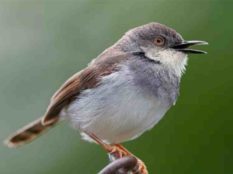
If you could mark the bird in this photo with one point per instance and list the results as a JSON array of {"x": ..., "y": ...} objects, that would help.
[{"x": 122, "y": 93}]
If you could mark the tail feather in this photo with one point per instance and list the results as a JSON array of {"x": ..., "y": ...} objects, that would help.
[{"x": 27, "y": 133}]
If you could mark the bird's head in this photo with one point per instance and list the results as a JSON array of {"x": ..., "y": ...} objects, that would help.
[{"x": 160, "y": 43}]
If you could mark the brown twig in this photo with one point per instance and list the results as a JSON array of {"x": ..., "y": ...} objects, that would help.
[{"x": 120, "y": 166}]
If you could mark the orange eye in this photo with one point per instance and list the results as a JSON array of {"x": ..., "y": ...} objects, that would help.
[{"x": 159, "y": 41}]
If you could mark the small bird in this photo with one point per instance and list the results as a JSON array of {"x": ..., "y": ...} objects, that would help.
[{"x": 122, "y": 93}]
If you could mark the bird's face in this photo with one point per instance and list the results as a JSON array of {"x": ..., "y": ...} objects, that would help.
[{"x": 163, "y": 44}]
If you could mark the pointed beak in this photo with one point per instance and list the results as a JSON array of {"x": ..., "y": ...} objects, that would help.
[{"x": 184, "y": 47}]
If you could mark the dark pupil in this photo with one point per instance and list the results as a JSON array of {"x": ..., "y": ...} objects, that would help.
[{"x": 159, "y": 41}]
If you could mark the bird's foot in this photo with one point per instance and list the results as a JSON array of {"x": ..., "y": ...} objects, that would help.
[
  {"x": 140, "y": 167},
  {"x": 117, "y": 151}
]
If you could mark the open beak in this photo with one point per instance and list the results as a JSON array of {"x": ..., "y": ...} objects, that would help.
[{"x": 184, "y": 47}]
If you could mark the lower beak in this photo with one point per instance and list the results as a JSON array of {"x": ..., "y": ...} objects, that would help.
[{"x": 183, "y": 47}]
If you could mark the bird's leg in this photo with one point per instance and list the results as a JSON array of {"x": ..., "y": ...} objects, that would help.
[{"x": 117, "y": 151}]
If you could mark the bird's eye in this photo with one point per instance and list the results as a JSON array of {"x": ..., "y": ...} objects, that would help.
[{"x": 159, "y": 41}]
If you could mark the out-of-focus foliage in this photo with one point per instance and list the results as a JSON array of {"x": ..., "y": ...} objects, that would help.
[{"x": 42, "y": 43}]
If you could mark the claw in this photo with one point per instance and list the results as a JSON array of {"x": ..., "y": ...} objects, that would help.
[
  {"x": 140, "y": 168},
  {"x": 118, "y": 151}
]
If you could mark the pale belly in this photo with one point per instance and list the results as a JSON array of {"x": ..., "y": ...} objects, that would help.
[{"x": 115, "y": 111}]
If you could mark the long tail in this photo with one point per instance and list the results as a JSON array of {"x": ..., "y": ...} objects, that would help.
[{"x": 27, "y": 134}]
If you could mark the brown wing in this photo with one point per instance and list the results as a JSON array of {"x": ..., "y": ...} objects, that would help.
[{"x": 86, "y": 79}]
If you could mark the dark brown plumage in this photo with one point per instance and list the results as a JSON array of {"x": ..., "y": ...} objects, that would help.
[{"x": 27, "y": 133}]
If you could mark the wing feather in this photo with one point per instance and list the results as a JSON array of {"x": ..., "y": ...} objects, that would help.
[{"x": 85, "y": 79}]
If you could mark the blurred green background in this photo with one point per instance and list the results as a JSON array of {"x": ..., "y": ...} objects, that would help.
[{"x": 42, "y": 43}]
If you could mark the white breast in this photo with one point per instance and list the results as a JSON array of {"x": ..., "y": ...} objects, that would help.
[{"x": 116, "y": 110}]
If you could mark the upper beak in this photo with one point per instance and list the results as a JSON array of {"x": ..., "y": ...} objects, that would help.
[{"x": 186, "y": 44}]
